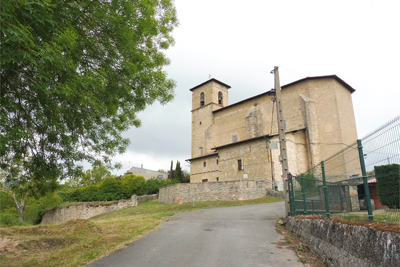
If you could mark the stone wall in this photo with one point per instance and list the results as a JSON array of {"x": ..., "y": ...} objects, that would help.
[
  {"x": 90, "y": 209},
  {"x": 275, "y": 194},
  {"x": 338, "y": 244},
  {"x": 213, "y": 191},
  {"x": 145, "y": 198}
]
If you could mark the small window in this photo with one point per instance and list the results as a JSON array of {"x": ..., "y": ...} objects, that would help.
[
  {"x": 204, "y": 180},
  {"x": 220, "y": 98},
  {"x": 201, "y": 99},
  {"x": 217, "y": 161},
  {"x": 217, "y": 179},
  {"x": 240, "y": 167},
  {"x": 234, "y": 138},
  {"x": 204, "y": 164}
]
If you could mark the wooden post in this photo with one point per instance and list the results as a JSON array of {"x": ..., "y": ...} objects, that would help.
[{"x": 282, "y": 141}]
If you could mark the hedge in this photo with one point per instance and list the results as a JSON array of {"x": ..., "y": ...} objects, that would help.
[{"x": 388, "y": 183}]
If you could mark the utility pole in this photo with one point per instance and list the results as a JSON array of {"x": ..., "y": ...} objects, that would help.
[{"x": 282, "y": 141}]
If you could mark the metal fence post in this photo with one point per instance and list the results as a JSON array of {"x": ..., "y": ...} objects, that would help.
[
  {"x": 365, "y": 178},
  {"x": 304, "y": 193},
  {"x": 291, "y": 195},
  {"x": 328, "y": 214}
]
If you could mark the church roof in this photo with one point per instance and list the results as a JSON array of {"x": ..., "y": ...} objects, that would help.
[
  {"x": 346, "y": 85},
  {"x": 204, "y": 156},
  {"x": 210, "y": 80}
]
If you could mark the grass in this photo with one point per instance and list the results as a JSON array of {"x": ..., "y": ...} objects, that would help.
[
  {"x": 386, "y": 221},
  {"x": 79, "y": 242},
  {"x": 388, "y": 216},
  {"x": 303, "y": 260}
]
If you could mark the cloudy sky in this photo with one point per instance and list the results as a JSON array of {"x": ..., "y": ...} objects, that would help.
[{"x": 239, "y": 43}]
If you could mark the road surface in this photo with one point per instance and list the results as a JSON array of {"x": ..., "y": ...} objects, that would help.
[{"x": 233, "y": 236}]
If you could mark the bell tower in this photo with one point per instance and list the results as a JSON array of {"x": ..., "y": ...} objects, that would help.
[{"x": 207, "y": 97}]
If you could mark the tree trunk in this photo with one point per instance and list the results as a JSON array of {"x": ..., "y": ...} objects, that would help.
[{"x": 21, "y": 206}]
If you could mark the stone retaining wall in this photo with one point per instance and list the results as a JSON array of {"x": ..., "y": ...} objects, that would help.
[
  {"x": 145, "y": 198},
  {"x": 338, "y": 244},
  {"x": 275, "y": 194},
  {"x": 213, "y": 191},
  {"x": 90, "y": 209}
]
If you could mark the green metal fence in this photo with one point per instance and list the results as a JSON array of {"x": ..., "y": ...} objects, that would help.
[{"x": 360, "y": 178}]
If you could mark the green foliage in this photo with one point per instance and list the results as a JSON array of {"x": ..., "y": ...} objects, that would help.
[
  {"x": 178, "y": 171},
  {"x": 36, "y": 210},
  {"x": 388, "y": 183},
  {"x": 74, "y": 75},
  {"x": 110, "y": 189},
  {"x": 33, "y": 213},
  {"x": 133, "y": 185},
  {"x": 153, "y": 185},
  {"x": 310, "y": 182},
  {"x": 171, "y": 171},
  {"x": 89, "y": 193},
  {"x": 95, "y": 176}
]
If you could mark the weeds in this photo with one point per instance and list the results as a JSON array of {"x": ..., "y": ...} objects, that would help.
[
  {"x": 301, "y": 248},
  {"x": 303, "y": 260}
]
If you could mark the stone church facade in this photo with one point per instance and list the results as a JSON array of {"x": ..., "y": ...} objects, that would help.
[{"x": 238, "y": 141}]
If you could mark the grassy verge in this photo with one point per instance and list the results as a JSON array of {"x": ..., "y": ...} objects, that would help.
[{"x": 79, "y": 242}]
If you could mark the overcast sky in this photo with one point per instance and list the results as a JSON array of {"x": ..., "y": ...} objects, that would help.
[{"x": 240, "y": 42}]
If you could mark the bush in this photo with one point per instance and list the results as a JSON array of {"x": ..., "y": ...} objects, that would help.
[
  {"x": 89, "y": 193},
  {"x": 110, "y": 189},
  {"x": 133, "y": 185},
  {"x": 36, "y": 210},
  {"x": 388, "y": 183},
  {"x": 9, "y": 219},
  {"x": 153, "y": 185},
  {"x": 310, "y": 182}
]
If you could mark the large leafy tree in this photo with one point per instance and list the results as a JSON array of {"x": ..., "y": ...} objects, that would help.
[{"x": 74, "y": 74}]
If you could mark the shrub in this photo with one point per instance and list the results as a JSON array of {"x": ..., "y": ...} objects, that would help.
[
  {"x": 36, "y": 210},
  {"x": 8, "y": 219},
  {"x": 89, "y": 193},
  {"x": 153, "y": 185},
  {"x": 388, "y": 183},
  {"x": 110, "y": 189},
  {"x": 133, "y": 185}
]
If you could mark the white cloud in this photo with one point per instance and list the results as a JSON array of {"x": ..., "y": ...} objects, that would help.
[{"x": 239, "y": 43}]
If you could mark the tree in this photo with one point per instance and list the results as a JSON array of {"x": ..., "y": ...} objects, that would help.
[
  {"x": 23, "y": 185},
  {"x": 171, "y": 171},
  {"x": 74, "y": 74},
  {"x": 95, "y": 176},
  {"x": 178, "y": 171}
]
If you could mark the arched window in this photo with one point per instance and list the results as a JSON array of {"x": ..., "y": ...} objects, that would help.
[
  {"x": 201, "y": 99},
  {"x": 220, "y": 98}
]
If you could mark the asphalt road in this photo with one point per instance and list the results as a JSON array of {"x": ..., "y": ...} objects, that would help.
[{"x": 234, "y": 236}]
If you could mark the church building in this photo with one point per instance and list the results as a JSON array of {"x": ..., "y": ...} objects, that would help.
[{"x": 240, "y": 141}]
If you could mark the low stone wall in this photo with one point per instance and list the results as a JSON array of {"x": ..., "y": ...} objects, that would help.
[
  {"x": 275, "y": 194},
  {"x": 90, "y": 209},
  {"x": 213, "y": 191},
  {"x": 338, "y": 244},
  {"x": 145, "y": 198}
]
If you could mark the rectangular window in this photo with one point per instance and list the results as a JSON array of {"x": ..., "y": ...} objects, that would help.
[
  {"x": 217, "y": 179},
  {"x": 240, "y": 167},
  {"x": 217, "y": 161},
  {"x": 234, "y": 138},
  {"x": 204, "y": 164},
  {"x": 204, "y": 180}
]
